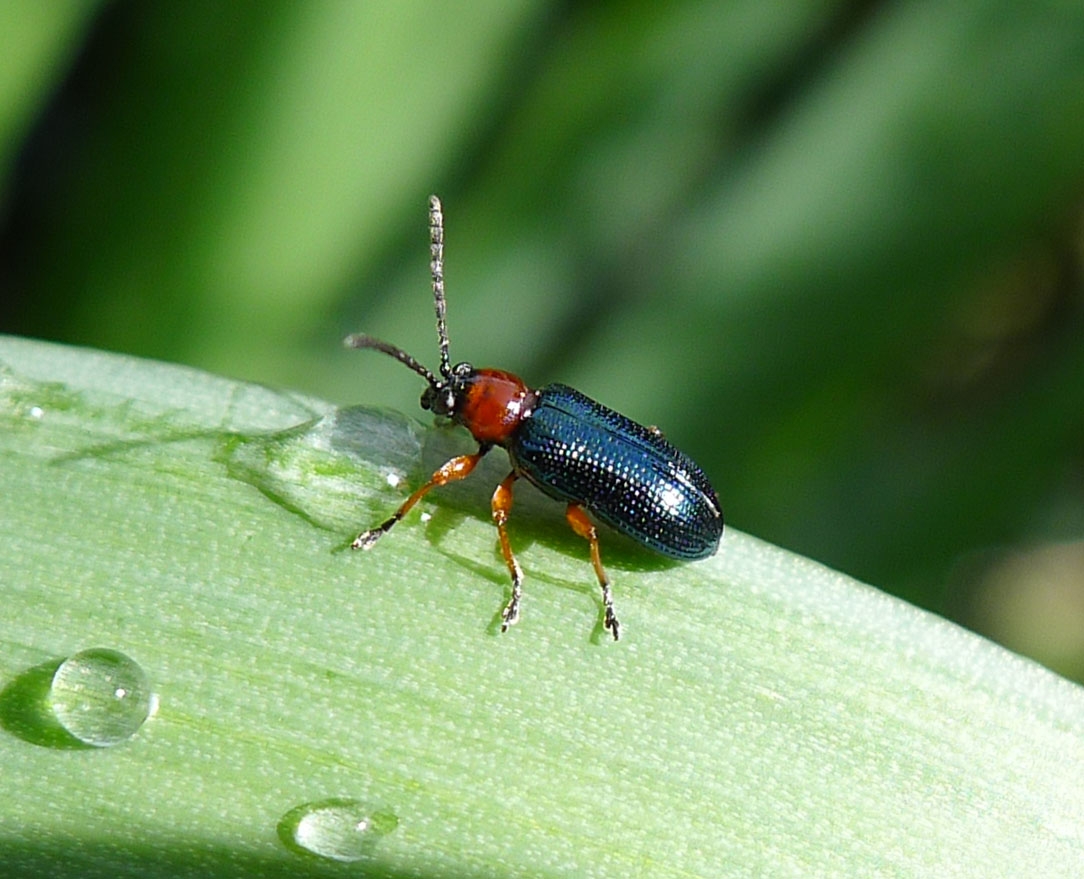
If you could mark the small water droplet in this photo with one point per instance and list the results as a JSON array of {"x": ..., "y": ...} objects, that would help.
[
  {"x": 425, "y": 517},
  {"x": 101, "y": 696},
  {"x": 338, "y": 829},
  {"x": 36, "y": 412}
]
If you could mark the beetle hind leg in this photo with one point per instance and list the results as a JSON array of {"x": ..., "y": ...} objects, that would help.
[
  {"x": 501, "y": 505},
  {"x": 584, "y": 527}
]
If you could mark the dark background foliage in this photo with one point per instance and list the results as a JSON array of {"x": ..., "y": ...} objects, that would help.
[{"x": 832, "y": 248}]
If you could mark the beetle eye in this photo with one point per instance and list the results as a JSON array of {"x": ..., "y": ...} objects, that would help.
[
  {"x": 432, "y": 399},
  {"x": 462, "y": 370},
  {"x": 439, "y": 399}
]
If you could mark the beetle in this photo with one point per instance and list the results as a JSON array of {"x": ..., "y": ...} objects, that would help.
[{"x": 572, "y": 448}]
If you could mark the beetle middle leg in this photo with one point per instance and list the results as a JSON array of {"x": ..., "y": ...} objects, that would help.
[
  {"x": 583, "y": 526},
  {"x": 501, "y": 505},
  {"x": 453, "y": 470}
]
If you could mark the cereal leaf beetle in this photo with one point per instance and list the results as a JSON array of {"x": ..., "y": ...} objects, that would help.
[{"x": 575, "y": 450}]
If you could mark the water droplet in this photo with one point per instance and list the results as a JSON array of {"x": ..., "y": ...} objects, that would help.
[
  {"x": 100, "y": 696},
  {"x": 337, "y": 829},
  {"x": 337, "y": 471},
  {"x": 36, "y": 412}
]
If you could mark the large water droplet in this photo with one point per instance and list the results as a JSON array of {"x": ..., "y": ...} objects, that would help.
[
  {"x": 337, "y": 829},
  {"x": 338, "y": 471},
  {"x": 100, "y": 696}
]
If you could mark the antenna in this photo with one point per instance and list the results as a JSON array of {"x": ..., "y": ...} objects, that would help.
[
  {"x": 436, "y": 268},
  {"x": 360, "y": 340}
]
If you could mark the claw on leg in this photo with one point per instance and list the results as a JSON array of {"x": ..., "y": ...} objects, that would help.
[
  {"x": 610, "y": 621},
  {"x": 510, "y": 614},
  {"x": 367, "y": 539}
]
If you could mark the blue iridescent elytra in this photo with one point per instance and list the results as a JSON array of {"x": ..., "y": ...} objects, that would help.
[
  {"x": 628, "y": 476},
  {"x": 576, "y": 450}
]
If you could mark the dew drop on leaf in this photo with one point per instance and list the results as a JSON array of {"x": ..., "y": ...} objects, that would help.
[
  {"x": 100, "y": 696},
  {"x": 339, "y": 829}
]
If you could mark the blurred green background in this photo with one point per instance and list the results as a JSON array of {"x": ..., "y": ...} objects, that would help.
[{"x": 833, "y": 249}]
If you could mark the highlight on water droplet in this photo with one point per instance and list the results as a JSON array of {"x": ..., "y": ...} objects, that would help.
[
  {"x": 339, "y": 829},
  {"x": 101, "y": 696}
]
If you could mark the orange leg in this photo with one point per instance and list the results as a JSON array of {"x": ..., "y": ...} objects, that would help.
[
  {"x": 502, "y": 504},
  {"x": 456, "y": 468},
  {"x": 583, "y": 526}
]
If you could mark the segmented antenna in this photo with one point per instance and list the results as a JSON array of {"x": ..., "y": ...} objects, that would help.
[
  {"x": 436, "y": 268},
  {"x": 360, "y": 340}
]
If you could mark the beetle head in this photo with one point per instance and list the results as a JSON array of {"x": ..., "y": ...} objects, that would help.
[{"x": 443, "y": 397}]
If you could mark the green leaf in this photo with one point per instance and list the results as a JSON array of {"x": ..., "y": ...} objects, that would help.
[{"x": 762, "y": 716}]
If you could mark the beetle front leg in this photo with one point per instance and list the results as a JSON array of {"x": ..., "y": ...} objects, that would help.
[
  {"x": 584, "y": 527},
  {"x": 453, "y": 470},
  {"x": 501, "y": 505}
]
